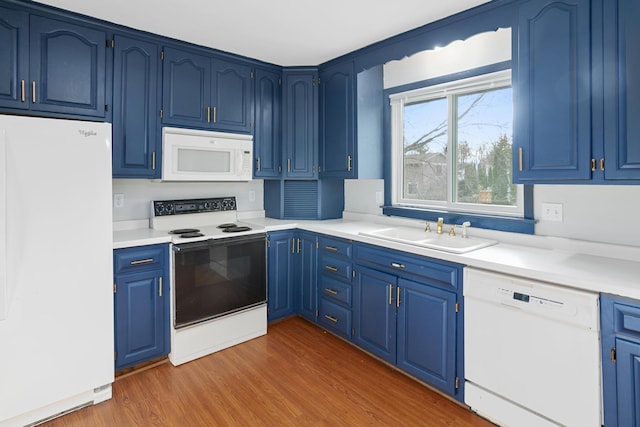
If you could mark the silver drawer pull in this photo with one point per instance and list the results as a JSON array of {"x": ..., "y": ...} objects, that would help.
[
  {"x": 328, "y": 267},
  {"x": 331, "y": 248},
  {"x": 333, "y": 319},
  {"x": 397, "y": 265},
  {"x": 142, "y": 261},
  {"x": 331, "y": 291}
]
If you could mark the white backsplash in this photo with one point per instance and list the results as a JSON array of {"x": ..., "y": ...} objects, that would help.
[
  {"x": 596, "y": 213},
  {"x": 138, "y": 194}
]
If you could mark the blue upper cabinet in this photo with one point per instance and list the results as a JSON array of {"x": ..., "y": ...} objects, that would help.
[
  {"x": 622, "y": 90},
  {"x": 232, "y": 96},
  {"x": 337, "y": 121},
  {"x": 67, "y": 67},
  {"x": 14, "y": 58},
  {"x": 267, "y": 136},
  {"x": 186, "y": 88},
  {"x": 300, "y": 122},
  {"x": 135, "y": 108},
  {"x": 51, "y": 66},
  {"x": 204, "y": 92},
  {"x": 552, "y": 79}
]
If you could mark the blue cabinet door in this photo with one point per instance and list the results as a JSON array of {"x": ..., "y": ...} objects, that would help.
[
  {"x": 67, "y": 68},
  {"x": 281, "y": 275},
  {"x": 232, "y": 95},
  {"x": 622, "y": 90},
  {"x": 628, "y": 382},
  {"x": 300, "y": 123},
  {"x": 267, "y": 137},
  {"x": 140, "y": 319},
  {"x": 337, "y": 121},
  {"x": 307, "y": 273},
  {"x": 427, "y": 334},
  {"x": 186, "y": 89},
  {"x": 552, "y": 95},
  {"x": 135, "y": 108},
  {"x": 14, "y": 58},
  {"x": 374, "y": 312}
]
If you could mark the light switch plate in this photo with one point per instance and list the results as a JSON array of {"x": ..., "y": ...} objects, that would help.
[{"x": 118, "y": 200}]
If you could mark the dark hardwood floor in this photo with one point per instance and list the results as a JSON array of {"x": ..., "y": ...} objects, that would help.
[{"x": 296, "y": 375}]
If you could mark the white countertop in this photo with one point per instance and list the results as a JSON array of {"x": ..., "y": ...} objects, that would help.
[{"x": 565, "y": 262}]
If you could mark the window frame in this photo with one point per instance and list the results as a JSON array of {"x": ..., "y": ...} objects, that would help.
[
  {"x": 525, "y": 225},
  {"x": 450, "y": 91}
]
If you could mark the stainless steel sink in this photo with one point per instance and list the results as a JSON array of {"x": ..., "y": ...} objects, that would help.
[{"x": 442, "y": 242}]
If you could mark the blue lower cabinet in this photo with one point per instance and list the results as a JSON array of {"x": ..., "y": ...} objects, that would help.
[
  {"x": 374, "y": 317},
  {"x": 307, "y": 273},
  {"x": 281, "y": 274},
  {"x": 141, "y": 305},
  {"x": 620, "y": 338},
  {"x": 426, "y": 346},
  {"x": 406, "y": 311}
]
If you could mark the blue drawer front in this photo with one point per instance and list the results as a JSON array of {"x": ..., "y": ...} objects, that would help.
[
  {"x": 335, "y": 267},
  {"x": 335, "y": 290},
  {"x": 434, "y": 272},
  {"x": 337, "y": 247},
  {"x": 138, "y": 258},
  {"x": 334, "y": 318}
]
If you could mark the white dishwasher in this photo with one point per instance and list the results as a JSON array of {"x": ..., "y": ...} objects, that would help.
[{"x": 532, "y": 352}]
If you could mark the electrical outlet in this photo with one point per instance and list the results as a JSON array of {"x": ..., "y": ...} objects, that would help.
[
  {"x": 552, "y": 212},
  {"x": 252, "y": 196},
  {"x": 118, "y": 200}
]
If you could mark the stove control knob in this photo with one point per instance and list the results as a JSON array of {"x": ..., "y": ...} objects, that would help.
[
  {"x": 225, "y": 203},
  {"x": 207, "y": 205},
  {"x": 159, "y": 209},
  {"x": 169, "y": 209},
  {"x": 216, "y": 205},
  {"x": 232, "y": 204}
]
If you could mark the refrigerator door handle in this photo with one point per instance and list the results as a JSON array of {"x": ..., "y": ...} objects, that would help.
[{"x": 3, "y": 224}]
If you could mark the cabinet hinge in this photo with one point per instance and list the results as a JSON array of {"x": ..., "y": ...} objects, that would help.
[
  {"x": 313, "y": 82},
  {"x": 161, "y": 112},
  {"x": 251, "y": 75},
  {"x": 111, "y": 43},
  {"x": 115, "y": 356},
  {"x": 250, "y": 123},
  {"x": 115, "y": 288},
  {"x": 457, "y": 307},
  {"x": 318, "y": 81},
  {"x": 613, "y": 355},
  {"x": 457, "y": 383},
  {"x": 162, "y": 55}
]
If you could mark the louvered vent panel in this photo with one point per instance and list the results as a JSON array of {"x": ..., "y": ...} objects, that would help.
[{"x": 301, "y": 199}]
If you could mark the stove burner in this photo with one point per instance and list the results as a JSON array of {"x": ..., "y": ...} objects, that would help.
[
  {"x": 191, "y": 234},
  {"x": 227, "y": 225},
  {"x": 236, "y": 229},
  {"x": 185, "y": 231}
]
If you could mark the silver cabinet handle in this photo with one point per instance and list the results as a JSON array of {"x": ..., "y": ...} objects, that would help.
[
  {"x": 397, "y": 265},
  {"x": 160, "y": 286},
  {"x": 331, "y": 291},
  {"x": 142, "y": 261},
  {"x": 333, "y": 319}
]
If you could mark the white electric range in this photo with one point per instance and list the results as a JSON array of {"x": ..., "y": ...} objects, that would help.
[{"x": 218, "y": 283}]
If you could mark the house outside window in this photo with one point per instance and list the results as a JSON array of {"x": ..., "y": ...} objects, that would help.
[{"x": 452, "y": 147}]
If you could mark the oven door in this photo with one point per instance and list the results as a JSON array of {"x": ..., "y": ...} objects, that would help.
[{"x": 218, "y": 277}]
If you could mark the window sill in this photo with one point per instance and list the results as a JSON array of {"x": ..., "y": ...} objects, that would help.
[{"x": 491, "y": 222}]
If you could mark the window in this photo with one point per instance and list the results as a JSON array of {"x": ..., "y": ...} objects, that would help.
[{"x": 451, "y": 146}]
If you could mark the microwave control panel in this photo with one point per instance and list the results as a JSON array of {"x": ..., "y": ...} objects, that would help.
[{"x": 190, "y": 206}]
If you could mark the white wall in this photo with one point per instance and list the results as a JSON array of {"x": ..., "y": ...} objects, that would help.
[{"x": 138, "y": 194}]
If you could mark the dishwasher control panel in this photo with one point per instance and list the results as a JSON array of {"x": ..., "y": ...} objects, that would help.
[{"x": 530, "y": 299}]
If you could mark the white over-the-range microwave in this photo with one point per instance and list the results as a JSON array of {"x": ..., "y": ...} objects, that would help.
[{"x": 197, "y": 155}]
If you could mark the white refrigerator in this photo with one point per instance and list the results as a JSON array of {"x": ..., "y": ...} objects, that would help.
[{"x": 56, "y": 291}]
